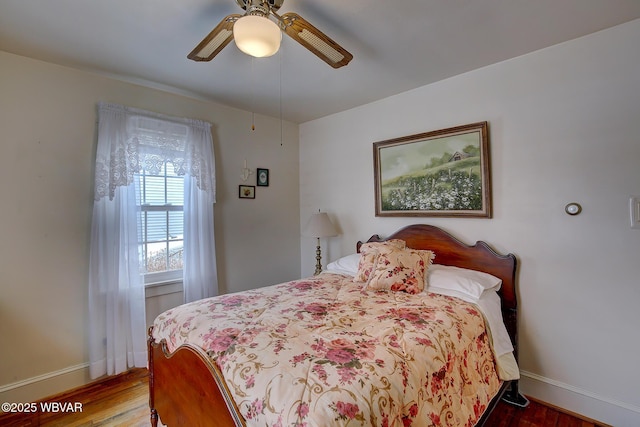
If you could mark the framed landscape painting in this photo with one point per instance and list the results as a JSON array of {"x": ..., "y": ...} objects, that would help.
[{"x": 442, "y": 173}]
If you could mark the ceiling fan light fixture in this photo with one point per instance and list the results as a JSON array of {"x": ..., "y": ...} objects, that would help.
[{"x": 257, "y": 36}]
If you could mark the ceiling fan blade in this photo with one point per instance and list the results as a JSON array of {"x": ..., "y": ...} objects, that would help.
[
  {"x": 217, "y": 39},
  {"x": 314, "y": 40}
]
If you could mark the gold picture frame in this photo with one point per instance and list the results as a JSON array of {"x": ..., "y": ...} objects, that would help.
[{"x": 443, "y": 173}]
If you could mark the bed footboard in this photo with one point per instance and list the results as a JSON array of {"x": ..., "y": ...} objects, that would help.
[{"x": 181, "y": 390}]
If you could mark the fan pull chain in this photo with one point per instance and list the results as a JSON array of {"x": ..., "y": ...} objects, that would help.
[
  {"x": 280, "y": 90},
  {"x": 253, "y": 97}
]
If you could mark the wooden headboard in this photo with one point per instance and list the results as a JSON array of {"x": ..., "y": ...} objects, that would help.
[{"x": 451, "y": 251}]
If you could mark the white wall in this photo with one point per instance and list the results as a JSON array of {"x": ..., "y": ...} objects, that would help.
[
  {"x": 47, "y": 151},
  {"x": 564, "y": 126}
]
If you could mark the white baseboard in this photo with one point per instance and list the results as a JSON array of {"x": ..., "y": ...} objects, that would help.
[
  {"x": 580, "y": 401},
  {"x": 49, "y": 384}
]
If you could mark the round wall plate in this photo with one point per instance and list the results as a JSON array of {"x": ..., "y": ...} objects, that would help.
[{"x": 573, "y": 208}]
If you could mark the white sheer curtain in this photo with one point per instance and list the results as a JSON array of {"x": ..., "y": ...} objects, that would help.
[
  {"x": 200, "y": 275},
  {"x": 117, "y": 338}
]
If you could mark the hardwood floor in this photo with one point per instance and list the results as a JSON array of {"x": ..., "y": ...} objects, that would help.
[
  {"x": 537, "y": 414},
  {"x": 123, "y": 401}
]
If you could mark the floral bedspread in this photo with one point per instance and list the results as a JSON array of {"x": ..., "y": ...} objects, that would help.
[{"x": 324, "y": 352}]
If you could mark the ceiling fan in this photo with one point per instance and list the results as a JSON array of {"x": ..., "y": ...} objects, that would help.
[{"x": 257, "y": 15}]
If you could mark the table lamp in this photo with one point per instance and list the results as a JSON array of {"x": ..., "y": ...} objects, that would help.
[{"x": 319, "y": 225}]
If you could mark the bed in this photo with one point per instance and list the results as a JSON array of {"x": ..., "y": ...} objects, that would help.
[{"x": 334, "y": 350}]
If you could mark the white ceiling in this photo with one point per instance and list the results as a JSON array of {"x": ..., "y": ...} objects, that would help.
[{"x": 397, "y": 45}]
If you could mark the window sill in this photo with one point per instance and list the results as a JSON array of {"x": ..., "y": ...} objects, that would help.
[{"x": 166, "y": 287}]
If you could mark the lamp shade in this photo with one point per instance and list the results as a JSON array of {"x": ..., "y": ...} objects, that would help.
[
  {"x": 257, "y": 35},
  {"x": 320, "y": 225}
]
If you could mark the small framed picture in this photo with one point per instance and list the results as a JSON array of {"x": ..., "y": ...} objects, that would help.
[
  {"x": 263, "y": 177},
  {"x": 247, "y": 192}
]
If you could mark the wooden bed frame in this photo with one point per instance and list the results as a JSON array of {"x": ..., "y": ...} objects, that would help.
[{"x": 187, "y": 388}]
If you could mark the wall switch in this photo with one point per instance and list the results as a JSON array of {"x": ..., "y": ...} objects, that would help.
[{"x": 634, "y": 211}]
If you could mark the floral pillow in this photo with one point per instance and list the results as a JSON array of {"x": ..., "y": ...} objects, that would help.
[
  {"x": 369, "y": 253},
  {"x": 401, "y": 270}
]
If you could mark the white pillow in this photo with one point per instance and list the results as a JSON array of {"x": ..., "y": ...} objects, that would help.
[
  {"x": 460, "y": 282},
  {"x": 345, "y": 265}
]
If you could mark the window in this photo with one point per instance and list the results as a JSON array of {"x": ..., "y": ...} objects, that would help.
[
  {"x": 160, "y": 201},
  {"x": 167, "y": 234}
]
